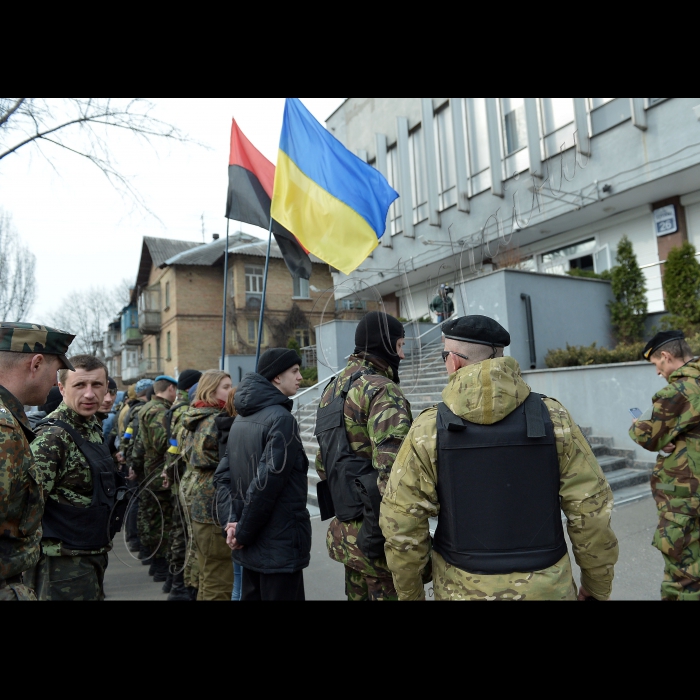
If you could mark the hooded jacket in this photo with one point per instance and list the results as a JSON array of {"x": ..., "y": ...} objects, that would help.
[
  {"x": 262, "y": 481},
  {"x": 485, "y": 393}
]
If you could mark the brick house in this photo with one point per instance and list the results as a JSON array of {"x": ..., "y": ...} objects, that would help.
[{"x": 179, "y": 300}]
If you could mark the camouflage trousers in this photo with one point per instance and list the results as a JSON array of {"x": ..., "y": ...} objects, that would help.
[
  {"x": 68, "y": 578},
  {"x": 215, "y": 564},
  {"x": 677, "y": 537},
  {"x": 359, "y": 586},
  {"x": 15, "y": 591},
  {"x": 178, "y": 535},
  {"x": 154, "y": 521}
]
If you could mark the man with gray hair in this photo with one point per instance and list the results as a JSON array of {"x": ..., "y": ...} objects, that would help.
[{"x": 495, "y": 460}]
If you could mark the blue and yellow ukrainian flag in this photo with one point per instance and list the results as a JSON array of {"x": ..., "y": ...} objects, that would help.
[{"x": 333, "y": 202}]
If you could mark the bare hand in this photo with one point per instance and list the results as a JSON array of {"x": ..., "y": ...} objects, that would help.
[
  {"x": 166, "y": 481},
  {"x": 120, "y": 458},
  {"x": 583, "y": 594},
  {"x": 132, "y": 475},
  {"x": 231, "y": 536},
  {"x": 669, "y": 448}
]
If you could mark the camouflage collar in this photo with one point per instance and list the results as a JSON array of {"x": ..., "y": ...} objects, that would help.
[
  {"x": 63, "y": 412},
  {"x": 364, "y": 360},
  {"x": 690, "y": 370},
  {"x": 160, "y": 399},
  {"x": 13, "y": 405}
]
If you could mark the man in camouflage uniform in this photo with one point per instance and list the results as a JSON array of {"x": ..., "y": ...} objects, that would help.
[
  {"x": 147, "y": 462},
  {"x": 377, "y": 418},
  {"x": 128, "y": 430},
  {"x": 62, "y": 572},
  {"x": 485, "y": 390},
  {"x": 30, "y": 356},
  {"x": 673, "y": 426},
  {"x": 173, "y": 472}
]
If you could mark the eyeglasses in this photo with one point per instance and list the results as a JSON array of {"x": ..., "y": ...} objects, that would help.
[{"x": 446, "y": 353}]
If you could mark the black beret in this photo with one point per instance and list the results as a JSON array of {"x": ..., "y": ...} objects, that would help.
[
  {"x": 661, "y": 339},
  {"x": 481, "y": 330}
]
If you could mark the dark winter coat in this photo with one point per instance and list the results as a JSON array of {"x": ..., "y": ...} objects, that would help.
[
  {"x": 223, "y": 427},
  {"x": 262, "y": 481}
]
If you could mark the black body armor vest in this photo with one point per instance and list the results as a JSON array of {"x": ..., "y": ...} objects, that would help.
[
  {"x": 498, "y": 489},
  {"x": 351, "y": 480},
  {"x": 93, "y": 527}
]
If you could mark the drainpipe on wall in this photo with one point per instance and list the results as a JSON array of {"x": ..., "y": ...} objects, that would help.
[{"x": 530, "y": 330}]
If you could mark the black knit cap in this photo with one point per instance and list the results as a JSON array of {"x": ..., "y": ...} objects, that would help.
[
  {"x": 481, "y": 330},
  {"x": 275, "y": 361},
  {"x": 111, "y": 384},
  {"x": 188, "y": 379},
  {"x": 661, "y": 339},
  {"x": 376, "y": 334}
]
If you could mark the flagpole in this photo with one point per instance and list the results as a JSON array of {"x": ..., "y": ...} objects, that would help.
[
  {"x": 223, "y": 322},
  {"x": 262, "y": 302}
]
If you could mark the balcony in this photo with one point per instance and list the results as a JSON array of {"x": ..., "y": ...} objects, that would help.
[
  {"x": 132, "y": 336},
  {"x": 150, "y": 368},
  {"x": 130, "y": 375},
  {"x": 149, "y": 310}
]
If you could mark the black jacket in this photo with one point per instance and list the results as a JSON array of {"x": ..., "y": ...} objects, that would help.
[
  {"x": 223, "y": 426},
  {"x": 262, "y": 481}
]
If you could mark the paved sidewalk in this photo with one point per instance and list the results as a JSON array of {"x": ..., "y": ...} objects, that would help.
[{"x": 638, "y": 573}]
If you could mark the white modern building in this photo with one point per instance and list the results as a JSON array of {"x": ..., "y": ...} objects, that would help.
[{"x": 544, "y": 184}]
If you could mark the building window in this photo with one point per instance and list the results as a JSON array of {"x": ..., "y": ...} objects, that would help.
[
  {"x": 477, "y": 134},
  {"x": 594, "y": 102},
  {"x": 303, "y": 337},
  {"x": 419, "y": 184},
  {"x": 253, "y": 334},
  {"x": 167, "y": 345},
  {"x": 446, "y": 154},
  {"x": 253, "y": 279},
  {"x": 556, "y": 112},
  {"x": 150, "y": 352},
  {"x": 167, "y": 295},
  {"x": 301, "y": 288},
  {"x": 350, "y": 305},
  {"x": 578, "y": 256},
  {"x": 392, "y": 172},
  {"x": 514, "y": 128}
]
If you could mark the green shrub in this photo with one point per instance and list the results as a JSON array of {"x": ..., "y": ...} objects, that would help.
[
  {"x": 581, "y": 356},
  {"x": 629, "y": 309},
  {"x": 293, "y": 345},
  {"x": 682, "y": 288},
  {"x": 575, "y": 272},
  {"x": 310, "y": 376}
]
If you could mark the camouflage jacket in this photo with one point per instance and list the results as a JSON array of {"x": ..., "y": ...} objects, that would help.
[
  {"x": 131, "y": 430},
  {"x": 485, "y": 393},
  {"x": 173, "y": 457},
  {"x": 151, "y": 444},
  {"x": 675, "y": 418},
  {"x": 64, "y": 472},
  {"x": 21, "y": 497},
  {"x": 200, "y": 446},
  {"x": 377, "y": 418}
]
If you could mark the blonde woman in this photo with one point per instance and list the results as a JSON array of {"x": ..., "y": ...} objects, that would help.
[{"x": 201, "y": 449}]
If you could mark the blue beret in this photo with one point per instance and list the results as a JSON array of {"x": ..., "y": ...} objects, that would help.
[{"x": 167, "y": 379}]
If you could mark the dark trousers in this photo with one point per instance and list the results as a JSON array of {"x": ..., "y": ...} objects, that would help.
[
  {"x": 132, "y": 513},
  {"x": 257, "y": 586}
]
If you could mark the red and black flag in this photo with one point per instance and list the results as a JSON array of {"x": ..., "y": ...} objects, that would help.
[{"x": 251, "y": 177}]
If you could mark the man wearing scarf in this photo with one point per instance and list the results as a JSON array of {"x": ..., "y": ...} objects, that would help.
[{"x": 377, "y": 418}]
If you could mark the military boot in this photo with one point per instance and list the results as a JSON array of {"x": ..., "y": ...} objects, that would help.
[
  {"x": 134, "y": 546},
  {"x": 152, "y": 567},
  {"x": 160, "y": 573},
  {"x": 192, "y": 592},
  {"x": 168, "y": 585},
  {"x": 179, "y": 590},
  {"x": 145, "y": 556}
]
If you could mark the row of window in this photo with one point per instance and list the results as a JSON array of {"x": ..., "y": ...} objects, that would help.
[
  {"x": 556, "y": 127},
  {"x": 301, "y": 335},
  {"x": 254, "y": 278}
]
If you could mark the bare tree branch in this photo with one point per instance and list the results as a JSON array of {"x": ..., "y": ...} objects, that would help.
[
  {"x": 17, "y": 263},
  {"x": 79, "y": 125},
  {"x": 7, "y": 114}
]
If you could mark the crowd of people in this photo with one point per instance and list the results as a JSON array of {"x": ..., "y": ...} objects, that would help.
[{"x": 209, "y": 481}]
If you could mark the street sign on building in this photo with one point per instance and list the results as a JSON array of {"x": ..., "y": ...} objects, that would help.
[{"x": 665, "y": 220}]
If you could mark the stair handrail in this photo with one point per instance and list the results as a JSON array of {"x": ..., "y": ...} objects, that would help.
[{"x": 422, "y": 335}]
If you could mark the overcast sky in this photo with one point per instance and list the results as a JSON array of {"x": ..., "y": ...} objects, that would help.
[{"x": 84, "y": 233}]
